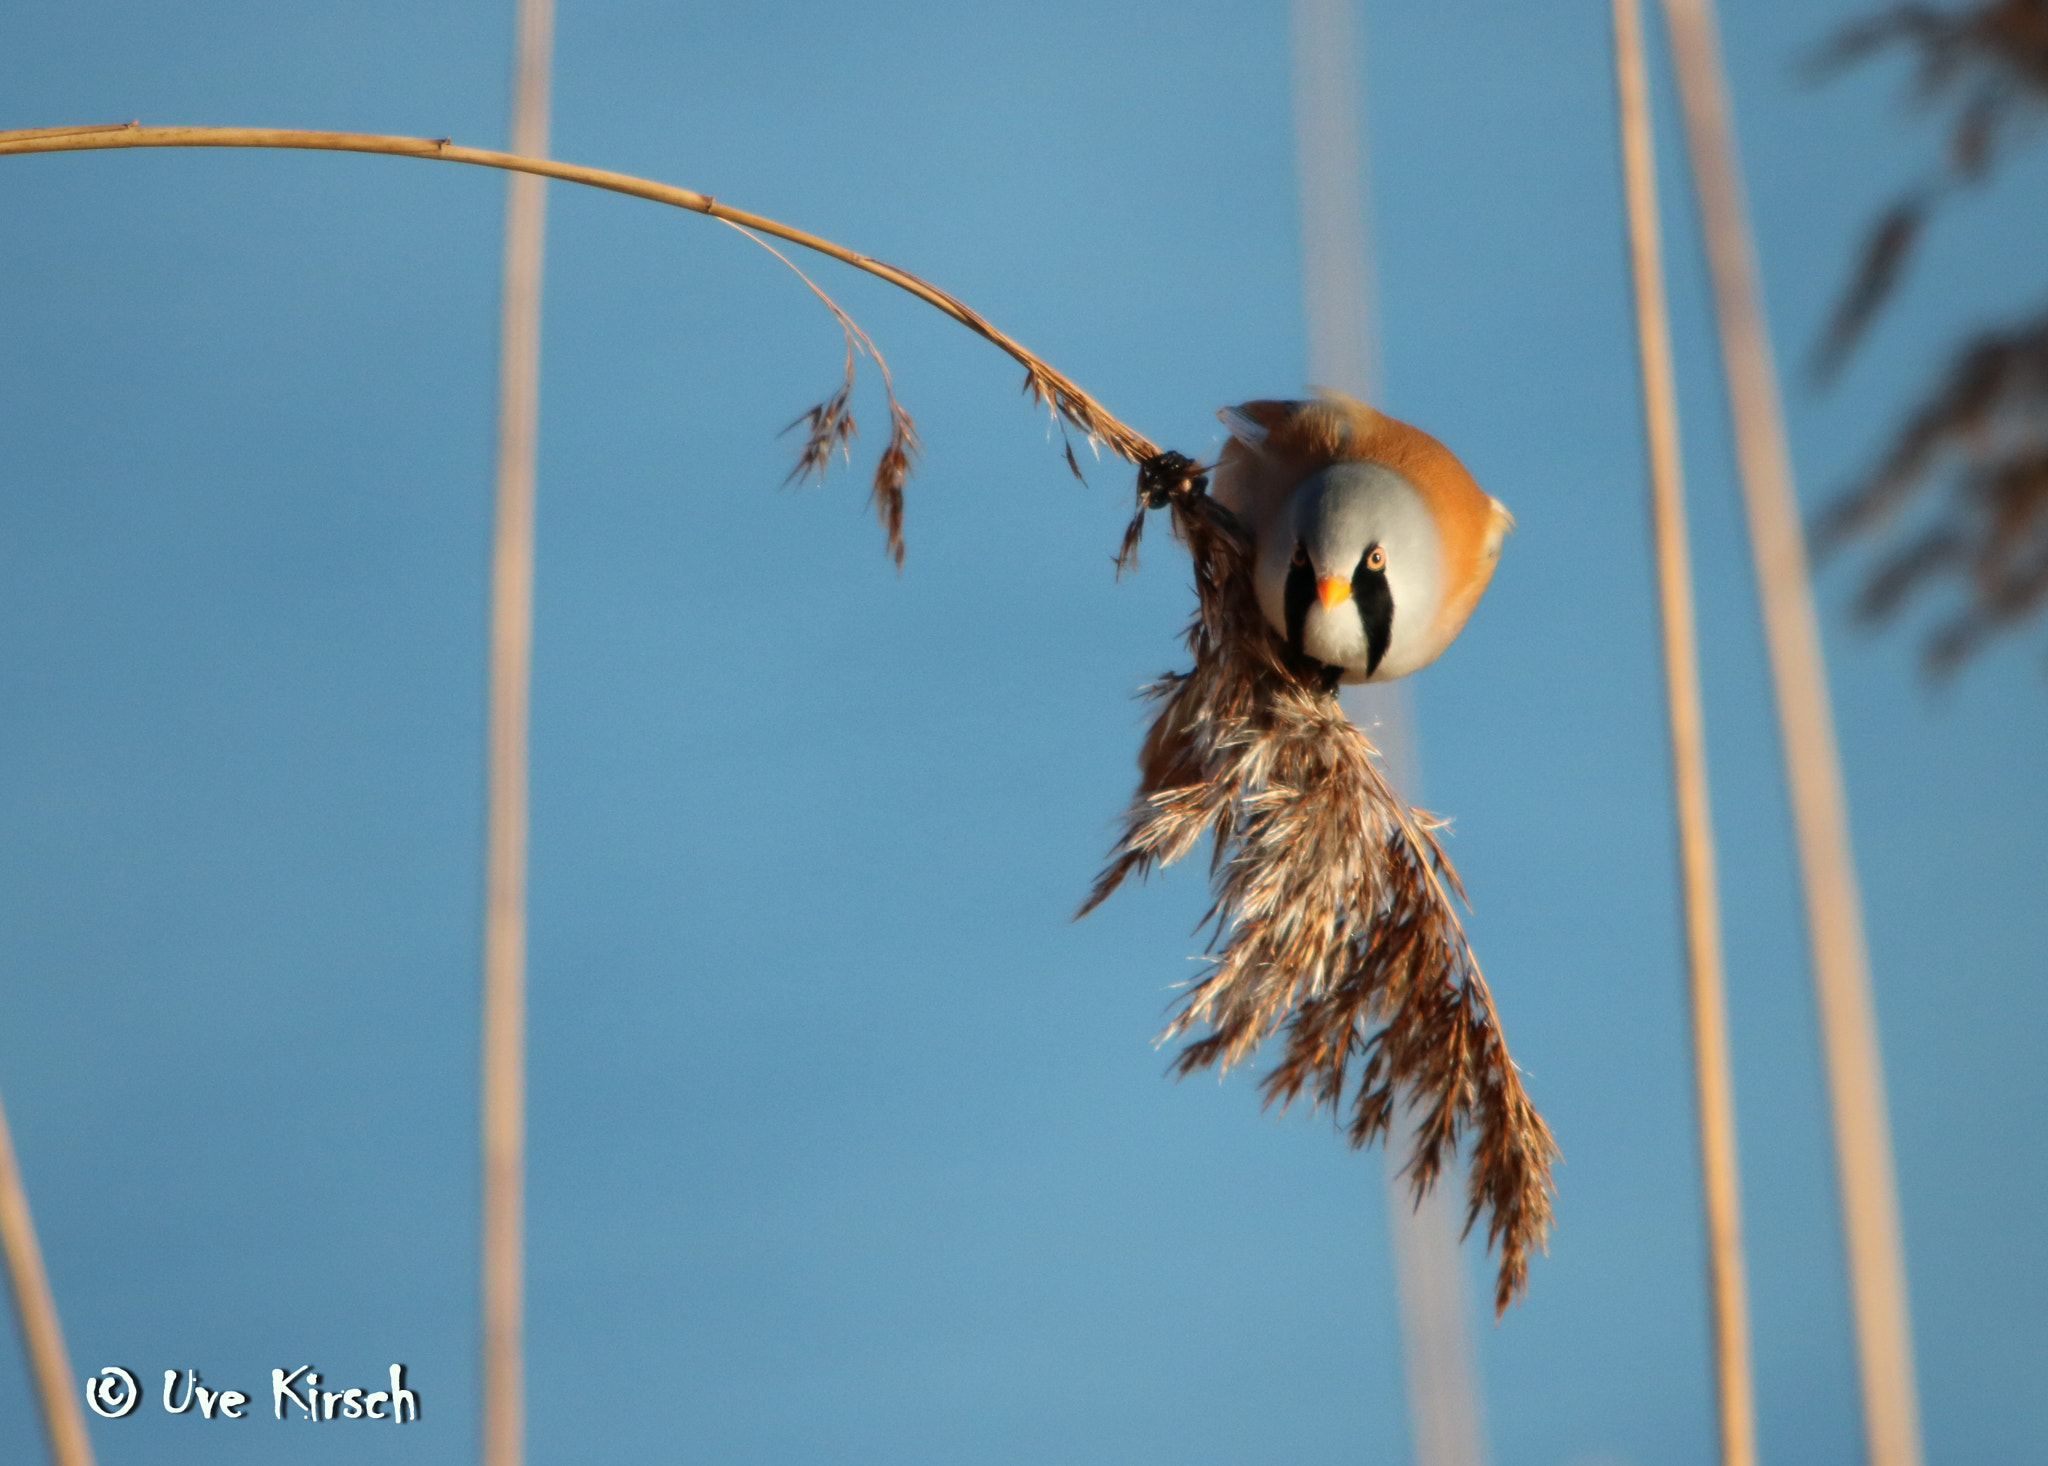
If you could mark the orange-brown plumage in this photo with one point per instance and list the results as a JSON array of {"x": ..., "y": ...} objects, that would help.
[{"x": 1276, "y": 447}]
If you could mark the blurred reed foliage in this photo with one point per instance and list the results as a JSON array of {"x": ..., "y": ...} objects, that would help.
[{"x": 1981, "y": 430}]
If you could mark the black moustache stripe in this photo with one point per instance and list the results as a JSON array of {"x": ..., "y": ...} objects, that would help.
[
  {"x": 1301, "y": 594},
  {"x": 1375, "y": 601}
]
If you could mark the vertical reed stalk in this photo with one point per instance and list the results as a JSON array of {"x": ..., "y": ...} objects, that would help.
[
  {"x": 1712, "y": 1077},
  {"x": 1834, "y": 907},
  {"x": 42, "y": 1336},
  {"x": 504, "y": 1017},
  {"x": 1330, "y": 176},
  {"x": 1446, "y": 1421},
  {"x": 1337, "y": 296}
]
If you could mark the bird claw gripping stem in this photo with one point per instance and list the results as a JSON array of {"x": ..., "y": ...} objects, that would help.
[
  {"x": 1167, "y": 480},
  {"x": 1165, "y": 476}
]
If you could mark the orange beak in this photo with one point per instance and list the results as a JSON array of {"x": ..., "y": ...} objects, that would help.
[{"x": 1332, "y": 592}]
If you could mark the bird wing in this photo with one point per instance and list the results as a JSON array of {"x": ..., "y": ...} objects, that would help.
[
  {"x": 1243, "y": 426},
  {"x": 1250, "y": 479},
  {"x": 1274, "y": 445}
]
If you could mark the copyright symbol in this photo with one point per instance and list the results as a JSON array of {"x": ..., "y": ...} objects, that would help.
[{"x": 112, "y": 1392}]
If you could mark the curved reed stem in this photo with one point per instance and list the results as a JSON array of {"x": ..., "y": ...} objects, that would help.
[
  {"x": 1394, "y": 987},
  {"x": 1044, "y": 381}
]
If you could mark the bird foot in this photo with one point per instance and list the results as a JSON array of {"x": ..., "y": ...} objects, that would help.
[{"x": 1165, "y": 476}]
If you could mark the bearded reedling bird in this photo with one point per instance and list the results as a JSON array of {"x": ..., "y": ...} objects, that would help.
[{"x": 1372, "y": 542}]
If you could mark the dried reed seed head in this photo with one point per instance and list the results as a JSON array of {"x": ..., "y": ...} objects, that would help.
[
  {"x": 892, "y": 472},
  {"x": 1332, "y": 929},
  {"x": 830, "y": 426},
  {"x": 831, "y": 423}
]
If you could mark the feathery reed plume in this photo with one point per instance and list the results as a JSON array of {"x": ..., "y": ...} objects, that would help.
[
  {"x": 1983, "y": 427},
  {"x": 1333, "y": 922}
]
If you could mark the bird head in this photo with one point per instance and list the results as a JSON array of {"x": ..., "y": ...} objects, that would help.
[
  {"x": 1351, "y": 562},
  {"x": 1373, "y": 543}
]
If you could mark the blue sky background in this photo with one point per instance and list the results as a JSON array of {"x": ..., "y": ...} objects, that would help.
[{"x": 846, "y": 1144}]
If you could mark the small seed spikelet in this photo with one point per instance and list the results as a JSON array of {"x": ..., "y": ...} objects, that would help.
[{"x": 1333, "y": 925}]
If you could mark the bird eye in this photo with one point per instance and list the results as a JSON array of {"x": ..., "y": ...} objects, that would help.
[
  {"x": 1300, "y": 554},
  {"x": 1375, "y": 558}
]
